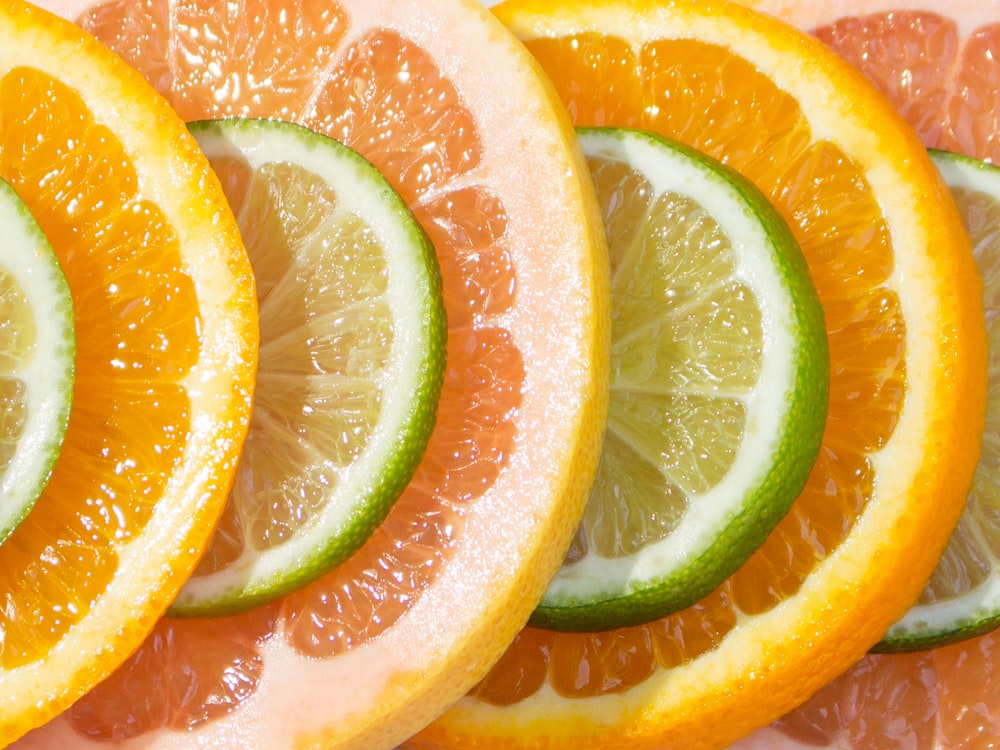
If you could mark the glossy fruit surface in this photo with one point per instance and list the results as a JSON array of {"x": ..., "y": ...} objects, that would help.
[
  {"x": 888, "y": 254},
  {"x": 935, "y": 61},
  {"x": 163, "y": 300},
  {"x": 490, "y": 168},
  {"x": 719, "y": 385}
]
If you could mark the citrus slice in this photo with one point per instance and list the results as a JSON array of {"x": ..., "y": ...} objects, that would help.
[
  {"x": 962, "y": 598},
  {"x": 719, "y": 376},
  {"x": 935, "y": 61},
  {"x": 490, "y": 166},
  {"x": 350, "y": 370},
  {"x": 902, "y": 300},
  {"x": 937, "y": 699},
  {"x": 163, "y": 299},
  {"x": 37, "y": 351}
]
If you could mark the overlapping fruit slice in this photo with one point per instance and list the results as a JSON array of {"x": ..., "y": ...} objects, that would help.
[
  {"x": 163, "y": 302},
  {"x": 892, "y": 264},
  {"x": 37, "y": 360},
  {"x": 936, "y": 61},
  {"x": 951, "y": 99},
  {"x": 719, "y": 378},
  {"x": 962, "y": 598},
  {"x": 943, "y": 697},
  {"x": 351, "y": 360},
  {"x": 488, "y": 163}
]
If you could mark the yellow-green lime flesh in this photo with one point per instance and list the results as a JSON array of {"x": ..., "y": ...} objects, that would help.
[
  {"x": 962, "y": 599},
  {"x": 720, "y": 375},
  {"x": 37, "y": 360},
  {"x": 351, "y": 360}
]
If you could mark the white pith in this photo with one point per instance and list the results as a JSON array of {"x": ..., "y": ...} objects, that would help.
[
  {"x": 595, "y": 576},
  {"x": 362, "y": 193}
]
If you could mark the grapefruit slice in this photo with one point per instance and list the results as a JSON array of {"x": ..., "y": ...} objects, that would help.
[
  {"x": 489, "y": 165},
  {"x": 902, "y": 297}
]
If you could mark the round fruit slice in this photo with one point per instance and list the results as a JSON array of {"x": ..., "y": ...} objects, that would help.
[
  {"x": 935, "y": 60},
  {"x": 350, "y": 370},
  {"x": 163, "y": 298},
  {"x": 37, "y": 360},
  {"x": 719, "y": 376},
  {"x": 962, "y": 598},
  {"x": 902, "y": 299},
  {"x": 490, "y": 167}
]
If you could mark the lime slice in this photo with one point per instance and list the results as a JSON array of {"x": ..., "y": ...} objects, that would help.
[
  {"x": 37, "y": 360},
  {"x": 962, "y": 598},
  {"x": 720, "y": 373},
  {"x": 351, "y": 359}
]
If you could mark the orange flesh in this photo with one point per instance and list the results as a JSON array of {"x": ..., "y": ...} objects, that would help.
[
  {"x": 386, "y": 98},
  {"x": 947, "y": 88},
  {"x": 769, "y": 141},
  {"x": 125, "y": 296}
]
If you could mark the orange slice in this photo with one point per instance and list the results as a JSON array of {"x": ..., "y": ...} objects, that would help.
[
  {"x": 902, "y": 296},
  {"x": 489, "y": 165},
  {"x": 163, "y": 300},
  {"x": 935, "y": 61}
]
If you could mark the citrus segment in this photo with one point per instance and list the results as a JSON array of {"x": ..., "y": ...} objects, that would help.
[
  {"x": 932, "y": 59},
  {"x": 350, "y": 367},
  {"x": 37, "y": 350},
  {"x": 938, "y": 699},
  {"x": 934, "y": 62},
  {"x": 901, "y": 294},
  {"x": 489, "y": 165},
  {"x": 162, "y": 289},
  {"x": 718, "y": 389}
]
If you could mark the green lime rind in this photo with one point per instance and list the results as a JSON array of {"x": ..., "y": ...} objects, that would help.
[
  {"x": 38, "y": 374},
  {"x": 787, "y": 415},
  {"x": 962, "y": 598},
  {"x": 366, "y": 490}
]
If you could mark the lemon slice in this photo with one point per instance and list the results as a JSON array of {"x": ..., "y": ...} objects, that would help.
[
  {"x": 351, "y": 359},
  {"x": 962, "y": 598},
  {"x": 720, "y": 372},
  {"x": 37, "y": 360}
]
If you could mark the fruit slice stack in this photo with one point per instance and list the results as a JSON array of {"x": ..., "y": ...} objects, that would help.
[
  {"x": 416, "y": 634},
  {"x": 163, "y": 373},
  {"x": 369, "y": 653}
]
